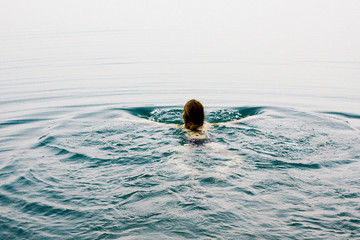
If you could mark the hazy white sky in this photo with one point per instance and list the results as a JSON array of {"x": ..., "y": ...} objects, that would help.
[
  {"x": 306, "y": 17},
  {"x": 325, "y": 26},
  {"x": 328, "y": 28}
]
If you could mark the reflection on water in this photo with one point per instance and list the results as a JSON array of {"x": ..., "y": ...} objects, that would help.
[{"x": 69, "y": 168}]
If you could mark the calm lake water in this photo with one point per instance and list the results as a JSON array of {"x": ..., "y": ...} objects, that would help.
[{"x": 71, "y": 167}]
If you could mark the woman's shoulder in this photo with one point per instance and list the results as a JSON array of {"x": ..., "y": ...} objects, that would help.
[{"x": 207, "y": 125}]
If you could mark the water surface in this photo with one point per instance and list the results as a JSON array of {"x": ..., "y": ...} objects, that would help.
[{"x": 71, "y": 167}]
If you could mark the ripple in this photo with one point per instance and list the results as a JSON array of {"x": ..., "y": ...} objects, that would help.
[
  {"x": 347, "y": 115},
  {"x": 128, "y": 179},
  {"x": 277, "y": 164},
  {"x": 22, "y": 121}
]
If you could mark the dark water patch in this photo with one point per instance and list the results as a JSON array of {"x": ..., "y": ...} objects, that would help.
[
  {"x": 167, "y": 114},
  {"x": 250, "y": 111},
  {"x": 351, "y": 195},
  {"x": 212, "y": 180},
  {"x": 22, "y": 121},
  {"x": 25, "y": 181},
  {"x": 82, "y": 157},
  {"x": 278, "y": 164},
  {"x": 5, "y": 150},
  {"x": 96, "y": 162},
  {"x": 44, "y": 140},
  {"x": 244, "y": 190},
  {"x": 346, "y": 115},
  {"x": 62, "y": 151}
]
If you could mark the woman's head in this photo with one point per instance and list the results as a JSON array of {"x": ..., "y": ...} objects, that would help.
[{"x": 193, "y": 114}]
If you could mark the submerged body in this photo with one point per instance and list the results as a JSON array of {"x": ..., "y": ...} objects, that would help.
[{"x": 200, "y": 133}]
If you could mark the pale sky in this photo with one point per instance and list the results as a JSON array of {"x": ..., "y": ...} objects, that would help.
[{"x": 324, "y": 24}]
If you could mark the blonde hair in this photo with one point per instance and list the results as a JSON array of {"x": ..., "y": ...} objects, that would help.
[{"x": 194, "y": 115}]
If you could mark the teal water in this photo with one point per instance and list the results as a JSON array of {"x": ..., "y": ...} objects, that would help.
[
  {"x": 91, "y": 176},
  {"x": 76, "y": 78}
]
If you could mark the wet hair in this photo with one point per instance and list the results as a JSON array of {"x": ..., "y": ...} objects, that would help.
[{"x": 194, "y": 115}]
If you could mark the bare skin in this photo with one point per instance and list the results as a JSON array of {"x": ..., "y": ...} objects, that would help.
[{"x": 201, "y": 133}]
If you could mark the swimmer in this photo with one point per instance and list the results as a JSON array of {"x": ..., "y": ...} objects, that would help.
[
  {"x": 194, "y": 122},
  {"x": 196, "y": 130}
]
